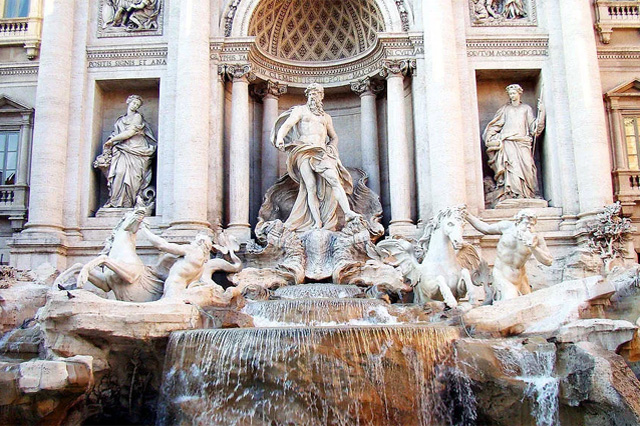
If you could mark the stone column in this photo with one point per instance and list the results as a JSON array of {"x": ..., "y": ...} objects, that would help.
[
  {"x": 443, "y": 116},
  {"x": 50, "y": 134},
  {"x": 240, "y": 159},
  {"x": 191, "y": 123},
  {"x": 270, "y": 95},
  {"x": 367, "y": 91},
  {"x": 584, "y": 90},
  {"x": 398, "y": 145}
]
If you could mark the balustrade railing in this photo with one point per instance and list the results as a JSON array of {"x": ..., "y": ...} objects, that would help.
[
  {"x": 14, "y": 27},
  {"x": 616, "y": 14},
  {"x": 21, "y": 31}
]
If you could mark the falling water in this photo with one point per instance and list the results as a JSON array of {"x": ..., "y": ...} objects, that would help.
[
  {"x": 319, "y": 312},
  {"x": 305, "y": 375},
  {"x": 318, "y": 291},
  {"x": 535, "y": 368}
]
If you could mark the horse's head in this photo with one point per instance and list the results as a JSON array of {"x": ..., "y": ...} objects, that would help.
[
  {"x": 132, "y": 220},
  {"x": 450, "y": 222}
]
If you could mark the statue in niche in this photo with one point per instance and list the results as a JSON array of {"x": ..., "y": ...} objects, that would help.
[
  {"x": 517, "y": 243},
  {"x": 126, "y": 159},
  {"x": 307, "y": 135},
  {"x": 132, "y": 15},
  {"x": 509, "y": 139}
]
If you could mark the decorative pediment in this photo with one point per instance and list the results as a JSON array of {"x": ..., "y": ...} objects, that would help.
[
  {"x": 631, "y": 88},
  {"x": 11, "y": 106}
]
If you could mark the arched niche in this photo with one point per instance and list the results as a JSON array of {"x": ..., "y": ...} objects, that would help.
[{"x": 239, "y": 13}]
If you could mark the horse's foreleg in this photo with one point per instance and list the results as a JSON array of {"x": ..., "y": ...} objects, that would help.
[
  {"x": 83, "y": 276},
  {"x": 99, "y": 280},
  {"x": 126, "y": 271},
  {"x": 469, "y": 288},
  {"x": 446, "y": 293}
]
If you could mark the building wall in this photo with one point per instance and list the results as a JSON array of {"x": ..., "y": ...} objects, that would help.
[{"x": 481, "y": 59}]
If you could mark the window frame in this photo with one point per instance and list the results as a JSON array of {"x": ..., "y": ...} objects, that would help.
[{"x": 3, "y": 9}]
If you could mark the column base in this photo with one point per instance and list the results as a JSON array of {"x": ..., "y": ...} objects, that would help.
[
  {"x": 185, "y": 231},
  {"x": 241, "y": 231},
  {"x": 402, "y": 228},
  {"x": 35, "y": 246}
]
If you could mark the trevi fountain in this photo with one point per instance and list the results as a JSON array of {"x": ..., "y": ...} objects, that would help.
[{"x": 331, "y": 305}]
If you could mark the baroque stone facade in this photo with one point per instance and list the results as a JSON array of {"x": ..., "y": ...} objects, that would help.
[{"x": 409, "y": 108}]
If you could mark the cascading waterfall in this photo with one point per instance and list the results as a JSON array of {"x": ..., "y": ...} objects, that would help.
[
  {"x": 535, "y": 368},
  {"x": 318, "y": 291},
  {"x": 306, "y": 375},
  {"x": 319, "y": 312}
]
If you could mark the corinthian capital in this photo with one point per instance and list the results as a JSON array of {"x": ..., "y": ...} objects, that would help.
[
  {"x": 397, "y": 67},
  {"x": 272, "y": 88},
  {"x": 235, "y": 72},
  {"x": 366, "y": 86}
]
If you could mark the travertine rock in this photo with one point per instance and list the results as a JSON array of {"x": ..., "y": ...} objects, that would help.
[
  {"x": 599, "y": 384},
  {"x": 42, "y": 391},
  {"x": 542, "y": 311},
  {"x": 20, "y": 302},
  {"x": 609, "y": 334},
  {"x": 90, "y": 325}
]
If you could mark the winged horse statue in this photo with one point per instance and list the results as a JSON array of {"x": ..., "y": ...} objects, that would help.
[{"x": 445, "y": 271}]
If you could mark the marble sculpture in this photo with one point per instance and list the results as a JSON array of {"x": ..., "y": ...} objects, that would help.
[
  {"x": 127, "y": 156},
  {"x": 445, "y": 271},
  {"x": 510, "y": 142},
  {"x": 306, "y": 133},
  {"x": 179, "y": 268},
  {"x": 517, "y": 243},
  {"x": 133, "y": 15}
]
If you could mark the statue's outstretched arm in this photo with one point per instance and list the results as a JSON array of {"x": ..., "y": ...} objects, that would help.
[
  {"x": 485, "y": 228},
  {"x": 162, "y": 244}
]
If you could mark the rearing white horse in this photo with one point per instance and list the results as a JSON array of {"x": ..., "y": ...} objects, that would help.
[{"x": 445, "y": 271}]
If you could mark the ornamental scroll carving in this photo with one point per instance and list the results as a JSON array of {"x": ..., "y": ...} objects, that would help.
[
  {"x": 235, "y": 72},
  {"x": 366, "y": 85},
  {"x": 402, "y": 67},
  {"x": 271, "y": 88},
  {"x": 122, "y": 18}
]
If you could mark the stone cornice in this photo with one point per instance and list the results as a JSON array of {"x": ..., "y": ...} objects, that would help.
[
  {"x": 496, "y": 47},
  {"x": 619, "y": 54},
  {"x": 22, "y": 69},
  {"x": 98, "y": 53}
]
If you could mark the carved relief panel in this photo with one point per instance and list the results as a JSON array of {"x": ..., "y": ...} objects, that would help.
[
  {"x": 125, "y": 18},
  {"x": 495, "y": 13}
]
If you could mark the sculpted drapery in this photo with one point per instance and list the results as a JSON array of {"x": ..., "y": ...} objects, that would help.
[
  {"x": 127, "y": 156},
  {"x": 306, "y": 133},
  {"x": 509, "y": 140}
]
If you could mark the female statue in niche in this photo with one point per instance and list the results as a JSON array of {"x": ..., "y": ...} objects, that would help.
[
  {"x": 509, "y": 138},
  {"x": 126, "y": 157}
]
